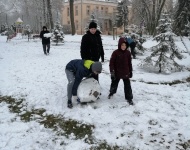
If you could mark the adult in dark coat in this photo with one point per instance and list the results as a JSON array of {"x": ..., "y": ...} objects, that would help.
[
  {"x": 121, "y": 68},
  {"x": 91, "y": 45},
  {"x": 45, "y": 40}
]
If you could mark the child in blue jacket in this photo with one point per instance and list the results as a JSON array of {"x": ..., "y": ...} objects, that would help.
[{"x": 76, "y": 70}]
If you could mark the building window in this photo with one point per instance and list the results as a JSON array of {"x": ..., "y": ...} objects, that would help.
[
  {"x": 102, "y": 8},
  {"x": 97, "y": 8},
  {"x": 76, "y": 10},
  {"x": 68, "y": 13},
  {"x": 77, "y": 25},
  {"x": 68, "y": 22},
  {"x": 88, "y": 10},
  {"x": 106, "y": 10}
]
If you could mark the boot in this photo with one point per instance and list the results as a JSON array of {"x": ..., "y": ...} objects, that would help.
[
  {"x": 130, "y": 102},
  {"x": 69, "y": 104},
  {"x": 110, "y": 96}
]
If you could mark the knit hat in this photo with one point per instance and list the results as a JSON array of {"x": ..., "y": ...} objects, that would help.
[
  {"x": 97, "y": 66},
  {"x": 44, "y": 27},
  {"x": 92, "y": 25}
]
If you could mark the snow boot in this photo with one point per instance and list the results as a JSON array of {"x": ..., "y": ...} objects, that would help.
[
  {"x": 69, "y": 104},
  {"x": 110, "y": 96},
  {"x": 130, "y": 102}
]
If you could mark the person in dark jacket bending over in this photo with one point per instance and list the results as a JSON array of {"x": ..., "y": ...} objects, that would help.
[
  {"x": 91, "y": 45},
  {"x": 121, "y": 68},
  {"x": 76, "y": 70},
  {"x": 45, "y": 40}
]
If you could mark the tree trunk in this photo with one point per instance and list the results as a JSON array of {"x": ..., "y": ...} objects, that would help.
[
  {"x": 50, "y": 14},
  {"x": 44, "y": 12},
  {"x": 72, "y": 16}
]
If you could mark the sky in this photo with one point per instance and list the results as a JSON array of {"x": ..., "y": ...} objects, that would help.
[{"x": 158, "y": 120}]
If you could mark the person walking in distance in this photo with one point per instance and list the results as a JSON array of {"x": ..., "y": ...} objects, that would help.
[
  {"x": 45, "y": 40},
  {"x": 91, "y": 45},
  {"x": 121, "y": 68}
]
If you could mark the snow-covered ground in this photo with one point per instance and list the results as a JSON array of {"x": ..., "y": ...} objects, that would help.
[{"x": 159, "y": 119}]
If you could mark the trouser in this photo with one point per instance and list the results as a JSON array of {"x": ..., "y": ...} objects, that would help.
[
  {"x": 127, "y": 88},
  {"x": 44, "y": 48},
  {"x": 132, "y": 46},
  {"x": 71, "y": 79}
]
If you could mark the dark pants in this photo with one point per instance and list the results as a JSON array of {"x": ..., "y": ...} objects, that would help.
[
  {"x": 44, "y": 48},
  {"x": 127, "y": 88},
  {"x": 132, "y": 46}
]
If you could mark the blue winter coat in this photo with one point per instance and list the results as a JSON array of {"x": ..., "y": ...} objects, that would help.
[
  {"x": 129, "y": 40},
  {"x": 80, "y": 71}
]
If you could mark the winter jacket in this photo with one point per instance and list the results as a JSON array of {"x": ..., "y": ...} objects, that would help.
[
  {"x": 129, "y": 40},
  {"x": 120, "y": 62},
  {"x": 91, "y": 47},
  {"x": 45, "y": 40},
  {"x": 81, "y": 69}
]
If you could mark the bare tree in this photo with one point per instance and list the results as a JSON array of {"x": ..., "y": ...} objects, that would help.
[
  {"x": 150, "y": 12},
  {"x": 71, "y": 3},
  {"x": 50, "y": 13}
]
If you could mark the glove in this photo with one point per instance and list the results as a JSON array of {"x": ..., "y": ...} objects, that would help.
[
  {"x": 130, "y": 74},
  {"x": 113, "y": 77}
]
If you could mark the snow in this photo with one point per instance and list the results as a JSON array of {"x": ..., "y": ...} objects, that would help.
[
  {"x": 48, "y": 35},
  {"x": 89, "y": 90},
  {"x": 158, "y": 119}
]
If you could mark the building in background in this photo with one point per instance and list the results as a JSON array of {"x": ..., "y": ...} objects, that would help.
[{"x": 104, "y": 12}]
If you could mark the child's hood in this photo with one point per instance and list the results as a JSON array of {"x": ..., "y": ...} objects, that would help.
[{"x": 121, "y": 40}]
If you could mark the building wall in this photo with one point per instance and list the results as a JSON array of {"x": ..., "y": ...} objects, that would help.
[{"x": 103, "y": 11}]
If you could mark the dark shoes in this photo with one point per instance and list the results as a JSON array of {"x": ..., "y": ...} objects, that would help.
[
  {"x": 110, "y": 96},
  {"x": 130, "y": 102},
  {"x": 69, "y": 104}
]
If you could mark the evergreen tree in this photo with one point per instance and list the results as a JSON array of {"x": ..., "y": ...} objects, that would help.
[
  {"x": 58, "y": 35},
  {"x": 122, "y": 14},
  {"x": 187, "y": 29},
  {"x": 181, "y": 17},
  {"x": 166, "y": 51}
]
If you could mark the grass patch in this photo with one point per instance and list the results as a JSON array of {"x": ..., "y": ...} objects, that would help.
[{"x": 62, "y": 126}]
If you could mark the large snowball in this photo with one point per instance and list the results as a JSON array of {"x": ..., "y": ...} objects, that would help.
[
  {"x": 48, "y": 35},
  {"x": 89, "y": 90}
]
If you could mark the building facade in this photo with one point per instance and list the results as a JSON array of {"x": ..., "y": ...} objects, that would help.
[{"x": 103, "y": 11}]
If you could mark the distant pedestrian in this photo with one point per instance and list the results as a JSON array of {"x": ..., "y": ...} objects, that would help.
[
  {"x": 76, "y": 70},
  {"x": 45, "y": 40},
  {"x": 132, "y": 46},
  {"x": 121, "y": 68},
  {"x": 91, "y": 45}
]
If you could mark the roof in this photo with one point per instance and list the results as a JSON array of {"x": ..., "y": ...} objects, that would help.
[{"x": 19, "y": 20}]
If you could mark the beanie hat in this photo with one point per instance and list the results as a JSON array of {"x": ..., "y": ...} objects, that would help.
[
  {"x": 92, "y": 25},
  {"x": 44, "y": 27},
  {"x": 97, "y": 66}
]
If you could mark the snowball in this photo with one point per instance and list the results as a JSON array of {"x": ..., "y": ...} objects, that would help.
[
  {"x": 47, "y": 35},
  {"x": 89, "y": 90}
]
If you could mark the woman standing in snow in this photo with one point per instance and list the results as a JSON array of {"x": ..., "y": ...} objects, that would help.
[
  {"x": 45, "y": 40},
  {"x": 91, "y": 45},
  {"x": 121, "y": 68}
]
